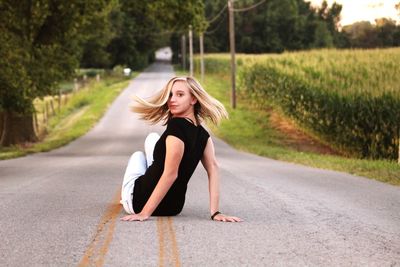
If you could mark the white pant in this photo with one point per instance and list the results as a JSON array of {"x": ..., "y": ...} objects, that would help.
[{"x": 137, "y": 166}]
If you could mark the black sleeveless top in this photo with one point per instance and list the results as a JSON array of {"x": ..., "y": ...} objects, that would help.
[{"x": 195, "y": 140}]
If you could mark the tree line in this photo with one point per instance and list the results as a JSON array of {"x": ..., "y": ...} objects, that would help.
[
  {"x": 363, "y": 34},
  {"x": 276, "y": 26}
]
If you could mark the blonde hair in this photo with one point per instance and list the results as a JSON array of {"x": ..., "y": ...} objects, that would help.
[{"x": 156, "y": 108}]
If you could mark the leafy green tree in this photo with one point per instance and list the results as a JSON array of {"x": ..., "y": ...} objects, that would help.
[
  {"x": 386, "y": 29},
  {"x": 323, "y": 37},
  {"x": 275, "y": 26},
  {"x": 40, "y": 46},
  {"x": 385, "y": 33},
  {"x": 135, "y": 37},
  {"x": 100, "y": 33},
  {"x": 361, "y": 34},
  {"x": 142, "y": 27},
  {"x": 396, "y": 35},
  {"x": 216, "y": 37}
]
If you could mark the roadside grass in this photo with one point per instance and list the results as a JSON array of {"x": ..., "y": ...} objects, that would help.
[
  {"x": 248, "y": 129},
  {"x": 75, "y": 118}
]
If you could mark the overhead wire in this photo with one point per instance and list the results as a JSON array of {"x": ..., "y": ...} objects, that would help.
[
  {"x": 214, "y": 19},
  {"x": 235, "y": 10},
  {"x": 248, "y": 8},
  {"x": 219, "y": 14},
  {"x": 215, "y": 28}
]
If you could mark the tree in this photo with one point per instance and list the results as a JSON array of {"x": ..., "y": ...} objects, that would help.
[
  {"x": 361, "y": 34},
  {"x": 385, "y": 33},
  {"x": 136, "y": 34},
  {"x": 100, "y": 33},
  {"x": 331, "y": 16},
  {"x": 216, "y": 36},
  {"x": 386, "y": 29},
  {"x": 143, "y": 26},
  {"x": 40, "y": 46},
  {"x": 275, "y": 26},
  {"x": 323, "y": 37}
]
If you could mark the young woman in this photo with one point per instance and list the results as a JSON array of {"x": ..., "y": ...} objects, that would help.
[{"x": 155, "y": 182}]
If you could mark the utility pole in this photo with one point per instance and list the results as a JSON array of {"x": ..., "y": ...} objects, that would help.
[
  {"x": 202, "y": 57},
  {"x": 191, "y": 50},
  {"x": 232, "y": 45},
  {"x": 183, "y": 46}
]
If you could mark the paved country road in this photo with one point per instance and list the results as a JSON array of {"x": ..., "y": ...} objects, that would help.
[{"x": 61, "y": 208}]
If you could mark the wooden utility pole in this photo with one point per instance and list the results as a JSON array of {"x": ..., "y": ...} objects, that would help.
[
  {"x": 190, "y": 50},
  {"x": 232, "y": 46},
  {"x": 201, "y": 57},
  {"x": 183, "y": 49}
]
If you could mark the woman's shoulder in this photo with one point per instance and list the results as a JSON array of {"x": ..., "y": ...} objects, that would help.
[
  {"x": 182, "y": 122},
  {"x": 204, "y": 131},
  {"x": 176, "y": 122}
]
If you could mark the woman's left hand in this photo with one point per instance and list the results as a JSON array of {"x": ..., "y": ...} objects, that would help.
[
  {"x": 225, "y": 218},
  {"x": 135, "y": 217}
]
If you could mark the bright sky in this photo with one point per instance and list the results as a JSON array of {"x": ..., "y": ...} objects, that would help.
[{"x": 368, "y": 10}]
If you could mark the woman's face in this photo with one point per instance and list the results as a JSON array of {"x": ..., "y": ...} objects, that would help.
[{"x": 181, "y": 101}]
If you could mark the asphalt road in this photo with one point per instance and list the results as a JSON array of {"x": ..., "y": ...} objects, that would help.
[{"x": 61, "y": 208}]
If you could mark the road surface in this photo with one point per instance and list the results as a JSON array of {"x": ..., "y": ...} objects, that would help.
[{"x": 61, "y": 208}]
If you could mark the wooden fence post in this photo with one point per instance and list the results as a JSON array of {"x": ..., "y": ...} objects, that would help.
[
  {"x": 53, "y": 112},
  {"x": 59, "y": 100},
  {"x": 35, "y": 121},
  {"x": 44, "y": 114},
  {"x": 1, "y": 123},
  {"x": 47, "y": 111},
  {"x": 76, "y": 85}
]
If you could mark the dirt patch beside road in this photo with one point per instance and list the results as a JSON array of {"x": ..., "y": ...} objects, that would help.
[{"x": 296, "y": 138}]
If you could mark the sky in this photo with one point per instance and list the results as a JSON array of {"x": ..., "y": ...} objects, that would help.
[{"x": 367, "y": 10}]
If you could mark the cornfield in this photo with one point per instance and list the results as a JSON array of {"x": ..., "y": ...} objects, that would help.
[{"x": 350, "y": 98}]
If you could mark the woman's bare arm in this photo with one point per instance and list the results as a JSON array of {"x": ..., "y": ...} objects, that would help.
[
  {"x": 210, "y": 163},
  {"x": 173, "y": 156}
]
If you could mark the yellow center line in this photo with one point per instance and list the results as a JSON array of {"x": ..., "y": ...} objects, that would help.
[
  {"x": 97, "y": 249},
  {"x": 167, "y": 242},
  {"x": 161, "y": 241},
  {"x": 175, "y": 252}
]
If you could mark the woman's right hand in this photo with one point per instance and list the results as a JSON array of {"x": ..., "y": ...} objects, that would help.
[
  {"x": 225, "y": 218},
  {"x": 135, "y": 217}
]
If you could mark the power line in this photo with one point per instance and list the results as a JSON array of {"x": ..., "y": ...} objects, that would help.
[
  {"x": 215, "y": 28},
  {"x": 219, "y": 14},
  {"x": 248, "y": 8}
]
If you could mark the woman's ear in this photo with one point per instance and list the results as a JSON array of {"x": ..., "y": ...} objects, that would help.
[{"x": 193, "y": 101}]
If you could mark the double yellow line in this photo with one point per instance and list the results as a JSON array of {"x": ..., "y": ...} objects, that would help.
[
  {"x": 97, "y": 249},
  {"x": 168, "y": 249}
]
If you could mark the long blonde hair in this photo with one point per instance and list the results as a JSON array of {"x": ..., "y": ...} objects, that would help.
[{"x": 156, "y": 109}]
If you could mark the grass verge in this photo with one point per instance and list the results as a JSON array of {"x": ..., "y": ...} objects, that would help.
[
  {"x": 248, "y": 129},
  {"x": 75, "y": 119}
]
